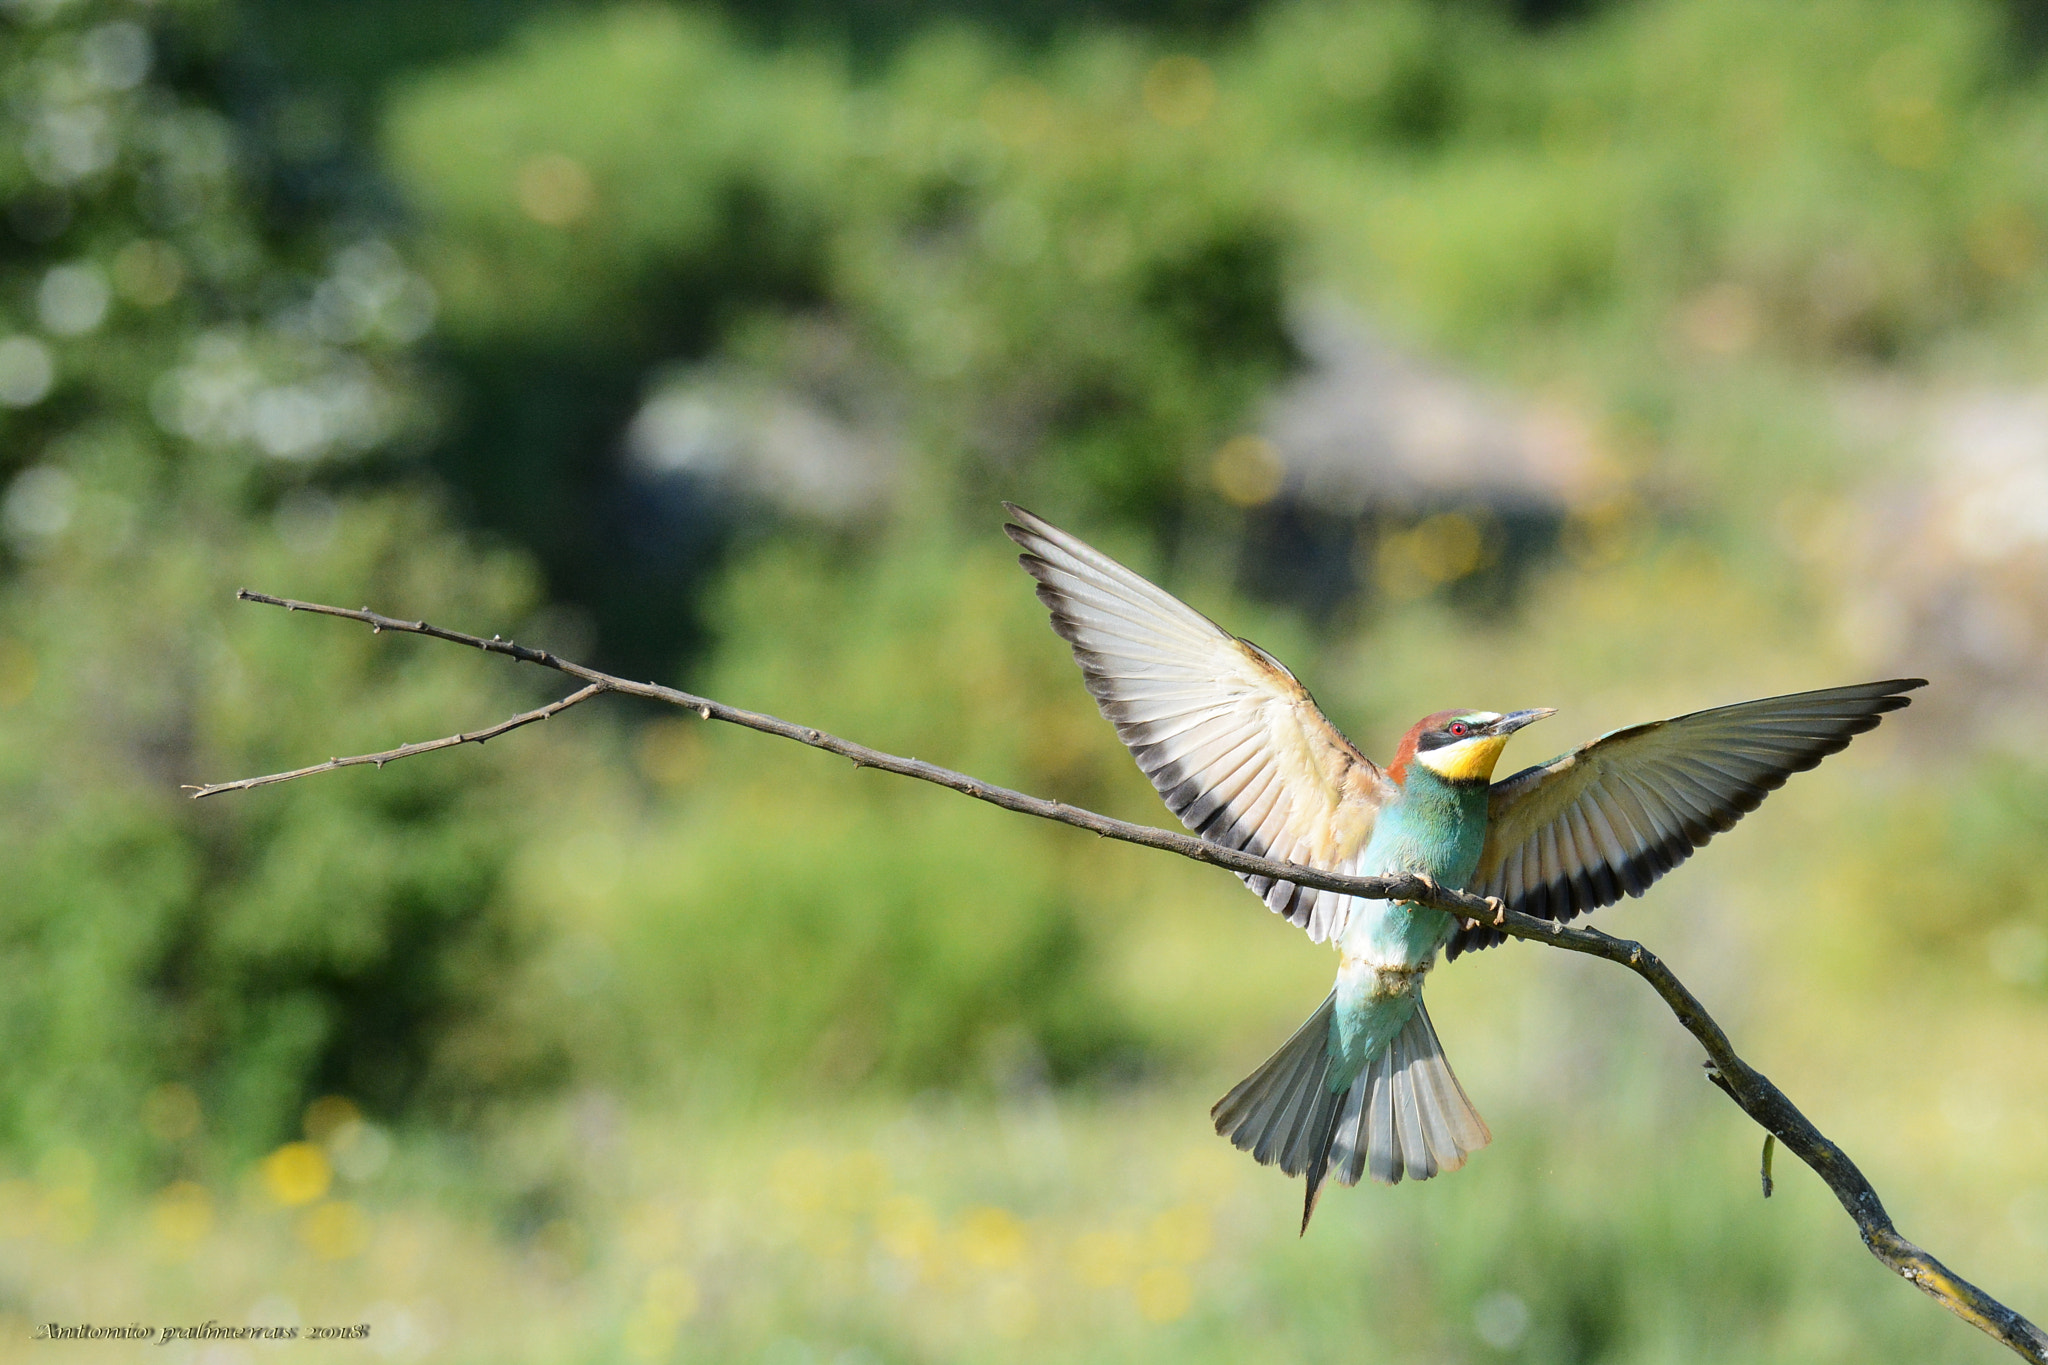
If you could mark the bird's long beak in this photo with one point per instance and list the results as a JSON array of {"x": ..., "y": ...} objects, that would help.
[{"x": 1515, "y": 720}]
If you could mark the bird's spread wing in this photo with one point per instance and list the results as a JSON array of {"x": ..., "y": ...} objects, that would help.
[
  {"x": 1612, "y": 816},
  {"x": 1236, "y": 746}
]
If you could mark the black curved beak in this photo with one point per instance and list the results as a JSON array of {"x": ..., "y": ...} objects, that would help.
[{"x": 1515, "y": 720}]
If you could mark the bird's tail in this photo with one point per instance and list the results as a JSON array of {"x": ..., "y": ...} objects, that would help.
[{"x": 1404, "y": 1115}]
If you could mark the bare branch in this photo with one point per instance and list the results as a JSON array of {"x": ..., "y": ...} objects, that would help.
[
  {"x": 1751, "y": 1091},
  {"x": 404, "y": 750}
]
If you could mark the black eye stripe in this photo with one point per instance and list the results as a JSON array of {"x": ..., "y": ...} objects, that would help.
[{"x": 1448, "y": 733}]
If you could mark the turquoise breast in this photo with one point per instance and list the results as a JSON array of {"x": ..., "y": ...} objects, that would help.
[{"x": 1437, "y": 828}]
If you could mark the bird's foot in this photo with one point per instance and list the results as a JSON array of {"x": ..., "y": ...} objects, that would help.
[
  {"x": 1499, "y": 908},
  {"x": 1430, "y": 886}
]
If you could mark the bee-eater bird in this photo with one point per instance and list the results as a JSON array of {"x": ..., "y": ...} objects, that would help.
[{"x": 1244, "y": 757}]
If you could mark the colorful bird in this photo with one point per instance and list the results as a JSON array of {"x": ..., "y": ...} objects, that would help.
[{"x": 1245, "y": 758}]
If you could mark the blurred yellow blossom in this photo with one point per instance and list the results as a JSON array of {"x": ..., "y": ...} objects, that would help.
[
  {"x": 992, "y": 1238},
  {"x": 296, "y": 1173},
  {"x": 1164, "y": 1294},
  {"x": 1180, "y": 1234}
]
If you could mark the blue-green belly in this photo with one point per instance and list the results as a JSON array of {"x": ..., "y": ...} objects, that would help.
[{"x": 1436, "y": 829}]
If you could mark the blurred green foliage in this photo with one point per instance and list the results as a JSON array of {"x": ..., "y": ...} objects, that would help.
[
  {"x": 179, "y": 389},
  {"x": 246, "y": 341}
]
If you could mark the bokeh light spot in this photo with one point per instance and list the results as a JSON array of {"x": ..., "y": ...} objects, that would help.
[
  {"x": 2004, "y": 242},
  {"x": 72, "y": 299},
  {"x": 335, "y": 1230},
  {"x": 905, "y": 1227},
  {"x": 1164, "y": 1294},
  {"x": 1180, "y": 1234},
  {"x": 1247, "y": 470},
  {"x": 1018, "y": 111},
  {"x": 181, "y": 1214},
  {"x": 328, "y": 1115},
  {"x": 171, "y": 1112},
  {"x": 992, "y": 1238},
  {"x": 148, "y": 273},
  {"x": 296, "y": 1173},
  {"x": 1501, "y": 1320},
  {"x": 27, "y": 371},
  {"x": 555, "y": 190},
  {"x": 1438, "y": 550},
  {"x": 1179, "y": 91}
]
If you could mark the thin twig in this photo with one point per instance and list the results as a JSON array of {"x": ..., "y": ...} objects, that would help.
[
  {"x": 405, "y": 750},
  {"x": 1749, "y": 1088}
]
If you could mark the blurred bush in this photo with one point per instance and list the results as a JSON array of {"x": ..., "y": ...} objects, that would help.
[
  {"x": 185, "y": 400},
  {"x": 1012, "y": 279}
]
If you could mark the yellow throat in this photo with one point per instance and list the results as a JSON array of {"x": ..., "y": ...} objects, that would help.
[{"x": 1469, "y": 760}]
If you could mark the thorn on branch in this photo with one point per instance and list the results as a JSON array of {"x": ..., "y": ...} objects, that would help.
[{"x": 1770, "y": 1149}]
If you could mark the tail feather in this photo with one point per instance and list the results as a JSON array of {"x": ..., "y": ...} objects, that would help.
[
  {"x": 1453, "y": 1123},
  {"x": 1296, "y": 1116},
  {"x": 1404, "y": 1116},
  {"x": 1347, "y": 1154},
  {"x": 1416, "y": 1121},
  {"x": 1408, "y": 1109},
  {"x": 1382, "y": 1154},
  {"x": 1268, "y": 1112},
  {"x": 1292, "y": 1096}
]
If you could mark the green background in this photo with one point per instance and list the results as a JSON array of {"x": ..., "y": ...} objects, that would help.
[{"x": 629, "y": 1038}]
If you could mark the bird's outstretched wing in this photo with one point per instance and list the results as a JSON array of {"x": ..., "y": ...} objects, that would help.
[
  {"x": 1613, "y": 816},
  {"x": 1236, "y": 746}
]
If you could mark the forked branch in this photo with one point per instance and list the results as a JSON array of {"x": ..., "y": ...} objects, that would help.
[{"x": 1749, "y": 1088}]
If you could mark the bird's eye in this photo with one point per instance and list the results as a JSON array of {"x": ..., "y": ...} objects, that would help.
[{"x": 1459, "y": 729}]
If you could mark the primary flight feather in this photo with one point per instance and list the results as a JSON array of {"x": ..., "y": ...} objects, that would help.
[{"x": 1242, "y": 754}]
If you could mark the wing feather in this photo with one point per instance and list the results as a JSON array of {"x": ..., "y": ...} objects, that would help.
[
  {"x": 1612, "y": 816},
  {"x": 1235, "y": 745}
]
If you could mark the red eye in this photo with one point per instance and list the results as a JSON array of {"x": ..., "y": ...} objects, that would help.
[{"x": 1459, "y": 729}]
